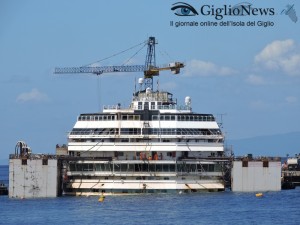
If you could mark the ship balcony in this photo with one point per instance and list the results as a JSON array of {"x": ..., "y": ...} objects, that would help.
[
  {"x": 140, "y": 168},
  {"x": 140, "y": 146},
  {"x": 95, "y": 175}
]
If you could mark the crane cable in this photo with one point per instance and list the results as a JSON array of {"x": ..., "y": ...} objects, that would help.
[
  {"x": 144, "y": 42},
  {"x": 133, "y": 55}
]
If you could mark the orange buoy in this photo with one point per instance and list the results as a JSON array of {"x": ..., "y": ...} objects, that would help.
[{"x": 259, "y": 195}]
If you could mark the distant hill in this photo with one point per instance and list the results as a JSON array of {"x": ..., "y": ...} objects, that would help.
[{"x": 271, "y": 145}]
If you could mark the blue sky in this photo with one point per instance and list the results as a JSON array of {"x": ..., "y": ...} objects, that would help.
[{"x": 251, "y": 75}]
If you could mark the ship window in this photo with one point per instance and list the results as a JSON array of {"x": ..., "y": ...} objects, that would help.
[
  {"x": 130, "y": 167},
  {"x": 78, "y": 167},
  {"x": 172, "y": 167},
  {"x": 158, "y": 167},
  {"x": 210, "y": 168},
  {"x": 85, "y": 167},
  {"x": 120, "y": 153},
  {"x": 154, "y": 117},
  {"x": 97, "y": 167},
  {"x": 140, "y": 105},
  {"x": 146, "y": 105},
  {"x": 218, "y": 168},
  {"x": 130, "y": 117},
  {"x": 204, "y": 167},
  {"x": 123, "y": 168},
  {"x": 102, "y": 167},
  {"x": 72, "y": 167},
  {"x": 165, "y": 167},
  {"x": 145, "y": 167},
  {"x": 117, "y": 167},
  {"x": 167, "y": 117},
  {"x": 152, "y": 167},
  {"x": 179, "y": 167},
  {"x": 107, "y": 167},
  {"x": 152, "y": 105}
]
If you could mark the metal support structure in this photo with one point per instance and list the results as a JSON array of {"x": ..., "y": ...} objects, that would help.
[
  {"x": 99, "y": 69},
  {"x": 150, "y": 64}
]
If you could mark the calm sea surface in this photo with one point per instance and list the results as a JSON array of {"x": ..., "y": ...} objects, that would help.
[{"x": 207, "y": 208}]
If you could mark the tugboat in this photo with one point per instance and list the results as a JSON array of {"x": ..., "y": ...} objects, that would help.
[
  {"x": 153, "y": 146},
  {"x": 3, "y": 189}
]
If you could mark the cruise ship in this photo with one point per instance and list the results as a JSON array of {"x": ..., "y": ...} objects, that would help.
[{"x": 153, "y": 146}]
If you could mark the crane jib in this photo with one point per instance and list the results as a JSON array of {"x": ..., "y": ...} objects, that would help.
[{"x": 100, "y": 70}]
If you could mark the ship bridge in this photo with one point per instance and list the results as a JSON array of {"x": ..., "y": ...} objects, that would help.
[
  {"x": 158, "y": 100},
  {"x": 148, "y": 100}
]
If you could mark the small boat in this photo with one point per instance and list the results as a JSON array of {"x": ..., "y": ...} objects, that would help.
[{"x": 3, "y": 189}]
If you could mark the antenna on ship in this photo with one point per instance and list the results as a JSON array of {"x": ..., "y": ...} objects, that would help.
[{"x": 150, "y": 69}]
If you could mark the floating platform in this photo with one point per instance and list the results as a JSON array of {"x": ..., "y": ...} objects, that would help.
[{"x": 256, "y": 175}]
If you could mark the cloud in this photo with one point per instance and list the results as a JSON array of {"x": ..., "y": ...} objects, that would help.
[
  {"x": 33, "y": 96},
  {"x": 291, "y": 99},
  {"x": 255, "y": 80},
  {"x": 280, "y": 55},
  {"x": 202, "y": 68}
]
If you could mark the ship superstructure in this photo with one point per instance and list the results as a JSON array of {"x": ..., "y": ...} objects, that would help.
[{"x": 153, "y": 146}]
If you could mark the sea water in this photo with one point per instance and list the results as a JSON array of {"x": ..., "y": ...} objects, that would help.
[{"x": 204, "y": 208}]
